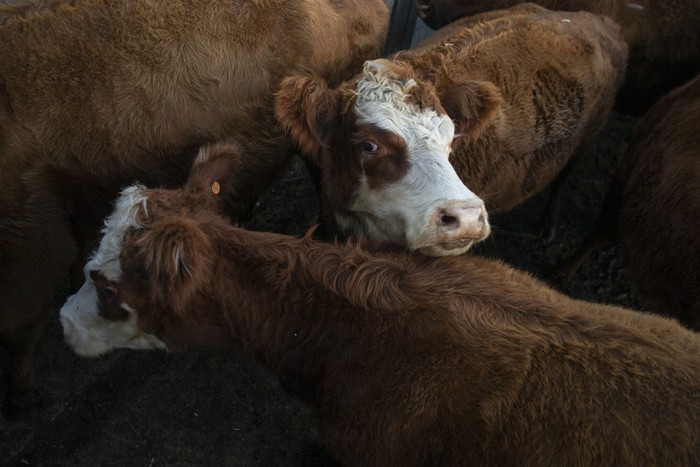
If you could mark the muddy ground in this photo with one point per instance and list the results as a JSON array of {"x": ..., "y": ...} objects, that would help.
[{"x": 149, "y": 408}]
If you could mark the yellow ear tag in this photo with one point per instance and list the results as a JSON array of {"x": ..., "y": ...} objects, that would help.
[{"x": 215, "y": 188}]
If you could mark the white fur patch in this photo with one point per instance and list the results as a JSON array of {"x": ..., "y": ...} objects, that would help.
[
  {"x": 381, "y": 101},
  {"x": 122, "y": 219},
  {"x": 202, "y": 155}
]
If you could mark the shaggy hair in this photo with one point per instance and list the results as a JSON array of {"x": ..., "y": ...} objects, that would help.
[{"x": 411, "y": 360}]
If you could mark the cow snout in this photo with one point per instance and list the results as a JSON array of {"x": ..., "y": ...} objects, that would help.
[
  {"x": 456, "y": 227},
  {"x": 468, "y": 222}
]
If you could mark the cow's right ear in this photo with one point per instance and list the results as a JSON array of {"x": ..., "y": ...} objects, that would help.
[
  {"x": 176, "y": 254},
  {"x": 308, "y": 110}
]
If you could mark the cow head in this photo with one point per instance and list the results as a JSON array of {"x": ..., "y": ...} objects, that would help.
[
  {"x": 151, "y": 253},
  {"x": 382, "y": 142}
]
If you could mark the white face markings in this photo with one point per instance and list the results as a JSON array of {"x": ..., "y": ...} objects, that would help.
[
  {"x": 403, "y": 212},
  {"x": 85, "y": 331},
  {"x": 122, "y": 219},
  {"x": 90, "y": 335}
]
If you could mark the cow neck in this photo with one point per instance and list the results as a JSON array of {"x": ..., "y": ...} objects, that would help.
[{"x": 305, "y": 302}]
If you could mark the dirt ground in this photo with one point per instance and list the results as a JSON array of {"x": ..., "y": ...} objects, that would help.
[{"x": 149, "y": 408}]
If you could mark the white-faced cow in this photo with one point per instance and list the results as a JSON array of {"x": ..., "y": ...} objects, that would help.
[
  {"x": 411, "y": 360},
  {"x": 95, "y": 94},
  {"x": 503, "y": 105}
]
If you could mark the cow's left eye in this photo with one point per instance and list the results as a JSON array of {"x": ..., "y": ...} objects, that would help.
[{"x": 369, "y": 147}]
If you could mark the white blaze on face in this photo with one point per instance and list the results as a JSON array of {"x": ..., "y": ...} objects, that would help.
[
  {"x": 85, "y": 331},
  {"x": 403, "y": 212}
]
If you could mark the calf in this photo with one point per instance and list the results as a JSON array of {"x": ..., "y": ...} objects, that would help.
[
  {"x": 525, "y": 88},
  {"x": 95, "y": 94},
  {"x": 654, "y": 204},
  {"x": 412, "y": 360},
  {"x": 663, "y": 38}
]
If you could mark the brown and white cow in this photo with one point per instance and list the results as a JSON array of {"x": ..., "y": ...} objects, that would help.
[
  {"x": 653, "y": 203},
  {"x": 95, "y": 94},
  {"x": 412, "y": 360},
  {"x": 663, "y": 38},
  {"x": 521, "y": 92}
]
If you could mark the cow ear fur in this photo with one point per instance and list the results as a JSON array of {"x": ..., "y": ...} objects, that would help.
[
  {"x": 307, "y": 110},
  {"x": 176, "y": 254},
  {"x": 472, "y": 106},
  {"x": 214, "y": 170}
]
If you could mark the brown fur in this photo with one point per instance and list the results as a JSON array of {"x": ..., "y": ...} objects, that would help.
[
  {"x": 420, "y": 361},
  {"x": 654, "y": 203},
  {"x": 95, "y": 94},
  {"x": 526, "y": 89},
  {"x": 663, "y": 37}
]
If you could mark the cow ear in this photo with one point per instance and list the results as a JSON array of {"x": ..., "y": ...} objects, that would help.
[
  {"x": 214, "y": 169},
  {"x": 176, "y": 253},
  {"x": 472, "y": 105},
  {"x": 308, "y": 111}
]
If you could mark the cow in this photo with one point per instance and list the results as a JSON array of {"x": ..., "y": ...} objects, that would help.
[
  {"x": 409, "y": 360},
  {"x": 95, "y": 94},
  {"x": 653, "y": 205},
  {"x": 663, "y": 38},
  {"x": 508, "y": 100}
]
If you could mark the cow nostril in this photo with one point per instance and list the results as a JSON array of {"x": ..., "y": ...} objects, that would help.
[{"x": 447, "y": 220}]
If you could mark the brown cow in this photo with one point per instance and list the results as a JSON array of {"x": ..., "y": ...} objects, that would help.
[
  {"x": 663, "y": 38},
  {"x": 526, "y": 88},
  {"x": 95, "y": 94},
  {"x": 654, "y": 203},
  {"x": 412, "y": 360}
]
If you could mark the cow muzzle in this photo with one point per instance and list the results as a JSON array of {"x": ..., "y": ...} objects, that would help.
[{"x": 456, "y": 227}]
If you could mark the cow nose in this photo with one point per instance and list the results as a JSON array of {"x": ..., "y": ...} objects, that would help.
[{"x": 463, "y": 221}]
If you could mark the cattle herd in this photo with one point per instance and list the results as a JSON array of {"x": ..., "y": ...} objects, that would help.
[{"x": 136, "y": 138}]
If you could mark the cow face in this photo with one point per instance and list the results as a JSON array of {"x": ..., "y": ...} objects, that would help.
[
  {"x": 99, "y": 316},
  {"x": 383, "y": 143}
]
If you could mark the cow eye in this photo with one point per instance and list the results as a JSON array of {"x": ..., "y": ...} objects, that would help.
[
  {"x": 369, "y": 147},
  {"x": 107, "y": 292}
]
